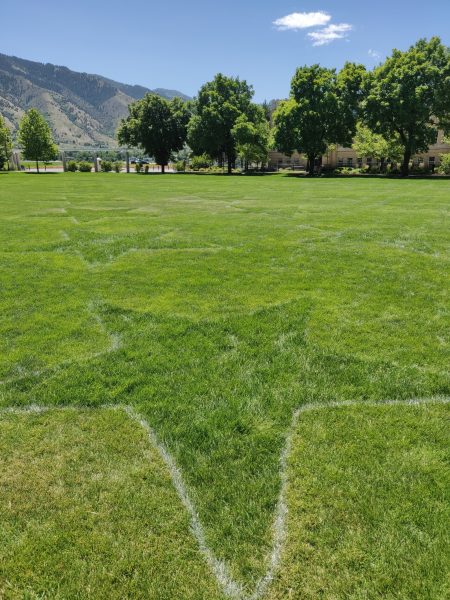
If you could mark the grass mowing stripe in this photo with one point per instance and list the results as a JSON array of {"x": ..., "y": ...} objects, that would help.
[{"x": 230, "y": 587}]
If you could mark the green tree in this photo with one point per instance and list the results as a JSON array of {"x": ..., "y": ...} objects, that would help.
[
  {"x": 219, "y": 105},
  {"x": 350, "y": 93},
  {"x": 35, "y": 138},
  {"x": 267, "y": 110},
  {"x": 409, "y": 96},
  {"x": 322, "y": 111},
  {"x": 444, "y": 167},
  {"x": 367, "y": 143},
  {"x": 252, "y": 137},
  {"x": 5, "y": 143},
  {"x": 157, "y": 125},
  {"x": 183, "y": 155}
]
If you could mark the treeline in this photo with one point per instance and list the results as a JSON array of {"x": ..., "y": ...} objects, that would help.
[
  {"x": 394, "y": 110},
  {"x": 403, "y": 102},
  {"x": 34, "y": 137}
]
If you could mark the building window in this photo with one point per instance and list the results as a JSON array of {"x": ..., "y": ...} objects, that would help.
[
  {"x": 369, "y": 161},
  {"x": 340, "y": 162},
  {"x": 349, "y": 161},
  {"x": 359, "y": 162},
  {"x": 431, "y": 160}
]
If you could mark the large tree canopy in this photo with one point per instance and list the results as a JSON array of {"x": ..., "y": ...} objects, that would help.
[
  {"x": 367, "y": 143},
  {"x": 409, "y": 96},
  {"x": 35, "y": 138},
  {"x": 5, "y": 143},
  {"x": 322, "y": 110},
  {"x": 252, "y": 137},
  {"x": 157, "y": 125},
  {"x": 220, "y": 103}
]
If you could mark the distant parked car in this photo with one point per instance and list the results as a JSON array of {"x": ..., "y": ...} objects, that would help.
[{"x": 139, "y": 161}]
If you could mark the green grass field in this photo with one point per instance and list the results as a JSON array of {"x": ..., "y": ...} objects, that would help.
[
  {"x": 89, "y": 512},
  {"x": 216, "y": 307}
]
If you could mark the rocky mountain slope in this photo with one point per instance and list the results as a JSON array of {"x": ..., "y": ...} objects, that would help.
[{"x": 83, "y": 109}]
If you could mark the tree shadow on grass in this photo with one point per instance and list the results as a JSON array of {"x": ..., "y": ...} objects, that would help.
[{"x": 433, "y": 178}]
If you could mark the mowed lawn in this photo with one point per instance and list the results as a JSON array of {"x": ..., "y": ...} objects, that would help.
[
  {"x": 88, "y": 511},
  {"x": 217, "y": 307}
]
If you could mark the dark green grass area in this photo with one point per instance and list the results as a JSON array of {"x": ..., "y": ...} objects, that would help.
[
  {"x": 89, "y": 511},
  {"x": 369, "y": 504},
  {"x": 217, "y": 306}
]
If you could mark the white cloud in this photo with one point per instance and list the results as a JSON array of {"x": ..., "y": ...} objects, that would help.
[
  {"x": 374, "y": 54},
  {"x": 302, "y": 20},
  {"x": 330, "y": 33}
]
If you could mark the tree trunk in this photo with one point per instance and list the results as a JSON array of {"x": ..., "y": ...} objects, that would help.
[
  {"x": 163, "y": 169},
  {"x": 405, "y": 163},
  {"x": 231, "y": 159},
  {"x": 320, "y": 165},
  {"x": 37, "y": 166},
  {"x": 311, "y": 164}
]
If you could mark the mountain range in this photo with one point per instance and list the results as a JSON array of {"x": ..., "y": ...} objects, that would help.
[{"x": 82, "y": 109}]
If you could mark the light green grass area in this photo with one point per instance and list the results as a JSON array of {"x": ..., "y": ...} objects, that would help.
[
  {"x": 88, "y": 511},
  {"x": 369, "y": 502},
  {"x": 217, "y": 306}
]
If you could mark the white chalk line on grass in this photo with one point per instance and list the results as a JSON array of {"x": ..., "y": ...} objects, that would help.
[
  {"x": 115, "y": 343},
  {"x": 229, "y": 586}
]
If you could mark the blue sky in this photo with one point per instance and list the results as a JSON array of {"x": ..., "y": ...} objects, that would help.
[{"x": 179, "y": 44}]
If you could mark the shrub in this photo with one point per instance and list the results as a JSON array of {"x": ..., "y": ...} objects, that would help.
[
  {"x": 147, "y": 168},
  {"x": 346, "y": 171},
  {"x": 444, "y": 167},
  {"x": 117, "y": 166},
  {"x": 180, "y": 166},
  {"x": 72, "y": 166},
  {"x": 106, "y": 166},
  {"x": 85, "y": 167},
  {"x": 200, "y": 162},
  {"x": 419, "y": 170},
  {"x": 138, "y": 168},
  {"x": 392, "y": 169}
]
